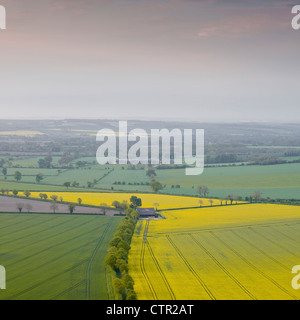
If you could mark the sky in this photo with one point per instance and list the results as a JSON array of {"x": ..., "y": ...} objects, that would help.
[{"x": 189, "y": 60}]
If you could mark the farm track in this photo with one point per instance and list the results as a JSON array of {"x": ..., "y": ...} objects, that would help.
[
  {"x": 48, "y": 279},
  {"x": 288, "y": 237},
  {"x": 251, "y": 265},
  {"x": 172, "y": 295},
  {"x": 291, "y": 227},
  {"x": 68, "y": 290},
  {"x": 209, "y": 293},
  {"x": 35, "y": 233},
  {"x": 142, "y": 262},
  {"x": 244, "y": 289},
  {"x": 54, "y": 259},
  {"x": 31, "y": 226},
  {"x": 14, "y": 224},
  {"x": 55, "y": 245},
  {"x": 189, "y": 230},
  {"x": 89, "y": 266},
  {"x": 261, "y": 251},
  {"x": 274, "y": 243}
]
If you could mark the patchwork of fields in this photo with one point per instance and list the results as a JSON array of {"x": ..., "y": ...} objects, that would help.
[
  {"x": 274, "y": 181},
  {"x": 56, "y": 256},
  {"x": 148, "y": 200},
  {"x": 241, "y": 252}
]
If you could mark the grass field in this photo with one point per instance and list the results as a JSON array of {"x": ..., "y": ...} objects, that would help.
[
  {"x": 55, "y": 256},
  {"x": 238, "y": 252},
  {"x": 275, "y": 181}
]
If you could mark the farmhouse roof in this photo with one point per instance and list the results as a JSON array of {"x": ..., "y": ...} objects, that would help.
[{"x": 146, "y": 211}]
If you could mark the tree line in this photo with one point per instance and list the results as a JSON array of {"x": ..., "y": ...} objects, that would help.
[{"x": 117, "y": 256}]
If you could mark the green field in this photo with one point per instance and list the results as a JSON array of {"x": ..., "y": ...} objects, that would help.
[
  {"x": 274, "y": 181},
  {"x": 56, "y": 257}
]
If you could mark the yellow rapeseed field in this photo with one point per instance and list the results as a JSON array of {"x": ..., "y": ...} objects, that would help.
[
  {"x": 22, "y": 133},
  {"x": 232, "y": 252}
]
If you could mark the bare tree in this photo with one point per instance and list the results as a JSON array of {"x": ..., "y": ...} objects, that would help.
[
  {"x": 156, "y": 205},
  {"x": 200, "y": 203},
  {"x": 53, "y": 207},
  {"x": 28, "y": 207},
  {"x": 20, "y": 206},
  {"x": 211, "y": 201}
]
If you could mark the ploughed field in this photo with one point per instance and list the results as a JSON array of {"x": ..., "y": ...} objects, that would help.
[
  {"x": 49, "y": 256},
  {"x": 232, "y": 252}
]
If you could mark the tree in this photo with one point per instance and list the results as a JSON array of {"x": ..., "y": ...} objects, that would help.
[
  {"x": 18, "y": 176},
  {"x": 27, "y": 193},
  {"x": 61, "y": 199},
  {"x": 156, "y": 185},
  {"x": 116, "y": 204},
  {"x": 28, "y": 207},
  {"x": 128, "y": 281},
  {"x": 211, "y": 201},
  {"x": 67, "y": 184},
  {"x": 39, "y": 177},
  {"x": 256, "y": 196},
  {"x": 202, "y": 190},
  {"x": 79, "y": 200},
  {"x": 111, "y": 260},
  {"x": 156, "y": 205},
  {"x": 15, "y": 192},
  {"x": 54, "y": 197},
  {"x": 45, "y": 163},
  {"x": 131, "y": 295},
  {"x": 118, "y": 285},
  {"x": 20, "y": 206},
  {"x": 151, "y": 172},
  {"x": 53, "y": 207},
  {"x": 135, "y": 202},
  {"x": 71, "y": 207},
  {"x": 45, "y": 196},
  {"x": 41, "y": 195},
  {"x": 4, "y": 172},
  {"x": 230, "y": 198},
  {"x": 200, "y": 203},
  {"x": 75, "y": 184}
]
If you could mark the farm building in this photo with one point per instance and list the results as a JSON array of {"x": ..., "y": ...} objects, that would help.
[{"x": 147, "y": 212}]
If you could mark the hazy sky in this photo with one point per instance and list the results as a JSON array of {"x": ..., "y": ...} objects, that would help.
[{"x": 200, "y": 60}]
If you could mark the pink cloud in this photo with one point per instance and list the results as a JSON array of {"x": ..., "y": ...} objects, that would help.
[{"x": 246, "y": 22}]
